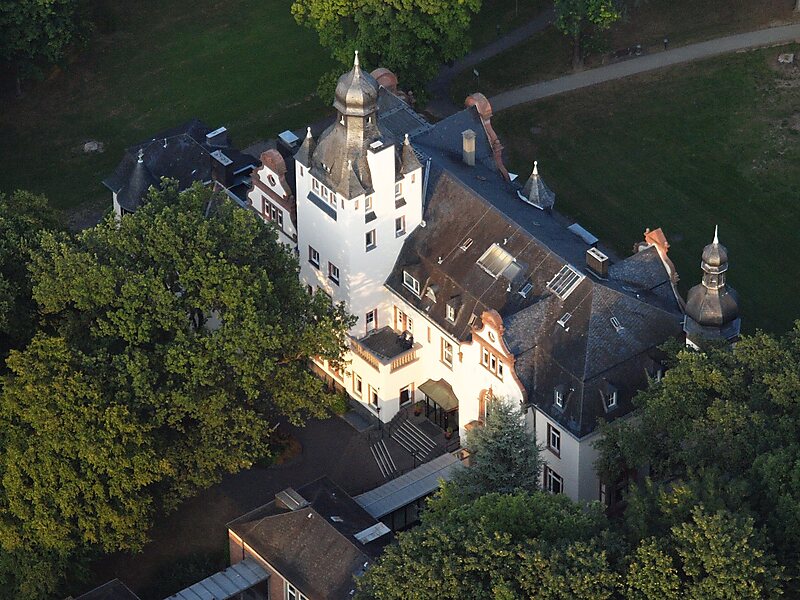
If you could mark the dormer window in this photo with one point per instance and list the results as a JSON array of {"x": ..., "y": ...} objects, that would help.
[
  {"x": 609, "y": 394},
  {"x": 430, "y": 293},
  {"x": 398, "y": 189},
  {"x": 411, "y": 283},
  {"x": 558, "y": 396},
  {"x": 451, "y": 313}
]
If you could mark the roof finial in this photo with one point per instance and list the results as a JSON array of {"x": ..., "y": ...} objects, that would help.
[
  {"x": 536, "y": 167},
  {"x": 141, "y": 155},
  {"x": 716, "y": 234},
  {"x": 308, "y": 132},
  {"x": 349, "y": 165},
  {"x": 406, "y": 141},
  {"x": 355, "y": 61}
]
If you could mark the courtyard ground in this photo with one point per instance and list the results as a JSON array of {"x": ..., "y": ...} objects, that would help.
[{"x": 713, "y": 142}]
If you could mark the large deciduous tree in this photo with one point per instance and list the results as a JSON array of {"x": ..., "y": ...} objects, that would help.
[
  {"x": 23, "y": 216},
  {"x": 726, "y": 425},
  {"x": 172, "y": 341},
  {"x": 410, "y": 37},
  {"x": 575, "y": 17},
  {"x": 36, "y": 33}
]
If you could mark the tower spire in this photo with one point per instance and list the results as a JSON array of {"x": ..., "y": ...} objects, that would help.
[{"x": 716, "y": 234}]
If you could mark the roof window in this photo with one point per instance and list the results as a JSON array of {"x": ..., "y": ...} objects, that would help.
[
  {"x": 617, "y": 325},
  {"x": 565, "y": 281},
  {"x": 496, "y": 261},
  {"x": 526, "y": 289},
  {"x": 467, "y": 243}
]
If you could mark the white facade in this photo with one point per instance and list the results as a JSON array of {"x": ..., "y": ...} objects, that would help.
[{"x": 271, "y": 197}]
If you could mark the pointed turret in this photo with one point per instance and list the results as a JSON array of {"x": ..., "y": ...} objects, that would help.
[
  {"x": 349, "y": 138},
  {"x": 712, "y": 307},
  {"x": 135, "y": 189},
  {"x": 408, "y": 158},
  {"x": 306, "y": 149},
  {"x": 536, "y": 191}
]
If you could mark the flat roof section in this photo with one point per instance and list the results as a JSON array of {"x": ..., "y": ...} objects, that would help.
[{"x": 225, "y": 584}]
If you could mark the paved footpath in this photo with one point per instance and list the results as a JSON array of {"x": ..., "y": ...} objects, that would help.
[
  {"x": 642, "y": 64},
  {"x": 439, "y": 88}
]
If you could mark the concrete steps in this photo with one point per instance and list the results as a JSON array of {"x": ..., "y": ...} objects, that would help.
[
  {"x": 381, "y": 455},
  {"x": 413, "y": 439}
]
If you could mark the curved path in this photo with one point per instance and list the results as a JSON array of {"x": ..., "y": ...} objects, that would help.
[{"x": 642, "y": 64}]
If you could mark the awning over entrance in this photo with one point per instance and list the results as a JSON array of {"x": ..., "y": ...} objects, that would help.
[
  {"x": 441, "y": 393},
  {"x": 225, "y": 584}
]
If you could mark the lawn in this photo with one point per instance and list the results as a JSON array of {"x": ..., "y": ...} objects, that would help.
[
  {"x": 507, "y": 14},
  {"x": 244, "y": 64},
  {"x": 548, "y": 54},
  {"x": 716, "y": 142}
]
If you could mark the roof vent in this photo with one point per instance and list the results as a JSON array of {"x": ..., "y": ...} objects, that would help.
[
  {"x": 526, "y": 289},
  {"x": 371, "y": 533},
  {"x": 467, "y": 243},
  {"x": 597, "y": 262},
  {"x": 337, "y": 519},
  {"x": 563, "y": 321},
  {"x": 617, "y": 325},
  {"x": 290, "y": 500}
]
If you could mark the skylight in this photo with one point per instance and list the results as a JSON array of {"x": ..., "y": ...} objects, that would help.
[
  {"x": 564, "y": 282},
  {"x": 526, "y": 289},
  {"x": 496, "y": 261},
  {"x": 467, "y": 243}
]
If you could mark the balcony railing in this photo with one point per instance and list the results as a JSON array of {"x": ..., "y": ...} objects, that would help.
[
  {"x": 403, "y": 360},
  {"x": 377, "y": 362}
]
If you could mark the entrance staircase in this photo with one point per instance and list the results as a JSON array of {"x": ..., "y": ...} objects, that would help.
[
  {"x": 412, "y": 439},
  {"x": 381, "y": 455}
]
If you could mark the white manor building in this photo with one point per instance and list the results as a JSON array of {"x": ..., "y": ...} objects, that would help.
[{"x": 466, "y": 285}]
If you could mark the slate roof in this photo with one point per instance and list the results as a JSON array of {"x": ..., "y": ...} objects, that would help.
[
  {"x": 313, "y": 547},
  {"x": 467, "y": 210},
  {"x": 186, "y": 158}
]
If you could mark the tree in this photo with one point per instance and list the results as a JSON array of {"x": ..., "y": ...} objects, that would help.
[
  {"x": 36, "y": 33},
  {"x": 412, "y": 38},
  {"x": 504, "y": 454},
  {"x": 497, "y": 546},
  {"x": 22, "y": 217},
  {"x": 172, "y": 341},
  {"x": 575, "y": 17},
  {"x": 711, "y": 556},
  {"x": 722, "y": 428}
]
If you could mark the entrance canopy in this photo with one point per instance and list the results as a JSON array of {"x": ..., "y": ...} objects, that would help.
[
  {"x": 225, "y": 584},
  {"x": 441, "y": 393}
]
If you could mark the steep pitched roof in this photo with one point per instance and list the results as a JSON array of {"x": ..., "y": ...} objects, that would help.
[{"x": 314, "y": 547}]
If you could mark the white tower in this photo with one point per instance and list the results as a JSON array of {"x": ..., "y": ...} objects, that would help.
[{"x": 358, "y": 198}]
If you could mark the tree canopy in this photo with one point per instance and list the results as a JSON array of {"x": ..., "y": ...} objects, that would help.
[
  {"x": 36, "y": 33},
  {"x": 503, "y": 454},
  {"x": 575, "y": 17},
  {"x": 721, "y": 428},
  {"x": 171, "y": 342},
  {"x": 412, "y": 38}
]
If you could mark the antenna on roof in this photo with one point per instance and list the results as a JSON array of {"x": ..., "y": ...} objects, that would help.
[{"x": 141, "y": 155}]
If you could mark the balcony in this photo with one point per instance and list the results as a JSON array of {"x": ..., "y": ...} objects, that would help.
[{"x": 385, "y": 348}]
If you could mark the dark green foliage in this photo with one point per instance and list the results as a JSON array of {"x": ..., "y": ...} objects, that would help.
[
  {"x": 411, "y": 38},
  {"x": 171, "y": 343},
  {"x": 726, "y": 426},
  {"x": 505, "y": 457},
  {"x": 22, "y": 217}
]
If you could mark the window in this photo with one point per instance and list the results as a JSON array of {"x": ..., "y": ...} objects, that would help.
[
  {"x": 402, "y": 321},
  {"x": 451, "y": 313},
  {"x": 313, "y": 257},
  {"x": 447, "y": 353},
  {"x": 496, "y": 261},
  {"x": 368, "y": 203},
  {"x": 274, "y": 214},
  {"x": 292, "y": 593},
  {"x": 490, "y": 360},
  {"x": 373, "y": 397},
  {"x": 616, "y": 324},
  {"x": 315, "y": 185},
  {"x": 411, "y": 283},
  {"x": 500, "y": 370},
  {"x": 553, "y": 482},
  {"x": 564, "y": 282},
  {"x": 398, "y": 189},
  {"x": 400, "y": 226},
  {"x": 526, "y": 289},
  {"x": 553, "y": 440},
  {"x": 611, "y": 399},
  {"x": 370, "y": 239},
  {"x": 558, "y": 397},
  {"x": 406, "y": 395},
  {"x": 333, "y": 273},
  {"x": 372, "y": 320},
  {"x": 485, "y": 358},
  {"x": 358, "y": 385}
]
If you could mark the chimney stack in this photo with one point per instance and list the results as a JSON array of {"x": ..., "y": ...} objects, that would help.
[
  {"x": 468, "y": 147},
  {"x": 221, "y": 169},
  {"x": 597, "y": 261}
]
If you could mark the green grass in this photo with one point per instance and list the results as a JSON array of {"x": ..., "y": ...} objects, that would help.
[
  {"x": 549, "y": 54},
  {"x": 244, "y": 64},
  {"x": 683, "y": 149}
]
